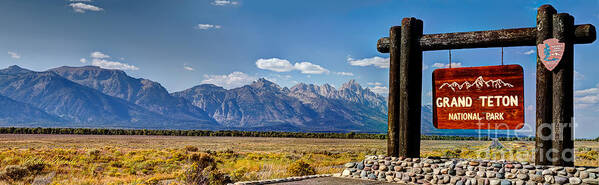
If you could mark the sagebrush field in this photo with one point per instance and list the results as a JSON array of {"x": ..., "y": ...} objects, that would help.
[{"x": 90, "y": 159}]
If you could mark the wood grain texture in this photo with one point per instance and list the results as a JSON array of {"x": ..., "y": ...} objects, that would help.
[
  {"x": 410, "y": 88},
  {"x": 584, "y": 34},
  {"x": 544, "y": 89},
  {"x": 473, "y": 82},
  {"x": 563, "y": 92},
  {"x": 393, "y": 103}
]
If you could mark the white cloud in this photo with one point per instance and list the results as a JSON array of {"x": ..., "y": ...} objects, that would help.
[
  {"x": 345, "y": 73},
  {"x": 82, "y": 7},
  {"x": 586, "y": 92},
  {"x": 529, "y": 52},
  {"x": 224, "y": 2},
  {"x": 586, "y": 97},
  {"x": 207, "y": 26},
  {"x": 102, "y": 60},
  {"x": 188, "y": 68},
  {"x": 441, "y": 65},
  {"x": 229, "y": 81},
  {"x": 310, "y": 68},
  {"x": 14, "y": 55},
  {"x": 97, "y": 54},
  {"x": 275, "y": 64},
  {"x": 282, "y": 65},
  {"x": 80, "y": 0},
  {"x": 375, "y": 83},
  {"x": 374, "y": 61},
  {"x": 107, "y": 64},
  {"x": 380, "y": 90}
]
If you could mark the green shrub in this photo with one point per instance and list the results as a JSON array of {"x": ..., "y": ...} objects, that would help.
[
  {"x": 178, "y": 156},
  {"x": 239, "y": 174},
  {"x": 152, "y": 181},
  {"x": 452, "y": 153},
  {"x": 195, "y": 157},
  {"x": 591, "y": 155},
  {"x": 203, "y": 171},
  {"x": 14, "y": 172},
  {"x": 116, "y": 164},
  {"x": 191, "y": 148},
  {"x": 94, "y": 154},
  {"x": 300, "y": 168},
  {"x": 34, "y": 165},
  {"x": 482, "y": 154}
]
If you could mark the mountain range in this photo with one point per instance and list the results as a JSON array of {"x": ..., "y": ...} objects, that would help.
[{"x": 94, "y": 97}]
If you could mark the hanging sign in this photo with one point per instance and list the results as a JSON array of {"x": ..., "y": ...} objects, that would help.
[
  {"x": 550, "y": 52},
  {"x": 489, "y": 97}
]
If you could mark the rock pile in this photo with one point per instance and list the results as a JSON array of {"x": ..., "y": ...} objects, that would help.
[{"x": 466, "y": 172}]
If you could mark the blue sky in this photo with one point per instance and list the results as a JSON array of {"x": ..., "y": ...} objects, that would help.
[{"x": 183, "y": 43}]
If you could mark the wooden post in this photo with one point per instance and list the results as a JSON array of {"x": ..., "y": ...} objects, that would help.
[
  {"x": 393, "y": 103},
  {"x": 410, "y": 87},
  {"x": 563, "y": 92},
  {"x": 544, "y": 89},
  {"x": 555, "y": 108}
]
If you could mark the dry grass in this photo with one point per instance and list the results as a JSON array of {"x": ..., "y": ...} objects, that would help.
[{"x": 81, "y": 159}]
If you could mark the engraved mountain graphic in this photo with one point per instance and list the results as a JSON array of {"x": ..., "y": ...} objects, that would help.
[{"x": 480, "y": 82}]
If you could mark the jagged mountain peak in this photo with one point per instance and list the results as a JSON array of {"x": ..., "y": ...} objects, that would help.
[
  {"x": 14, "y": 69},
  {"x": 89, "y": 70},
  {"x": 139, "y": 91},
  {"x": 89, "y": 67},
  {"x": 302, "y": 86},
  {"x": 202, "y": 87},
  {"x": 263, "y": 83},
  {"x": 43, "y": 98},
  {"x": 70, "y": 101},
  {"x": 328, "y": 86},
  {"x": 351, "y": 84}
]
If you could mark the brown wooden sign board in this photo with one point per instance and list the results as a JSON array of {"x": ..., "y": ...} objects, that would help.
[{"x": 488, "y": 97}]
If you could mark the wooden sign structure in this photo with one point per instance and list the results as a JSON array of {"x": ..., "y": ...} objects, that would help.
[
  {"x": 489, "y": 97},
  {"x": 555, "y": 106}
]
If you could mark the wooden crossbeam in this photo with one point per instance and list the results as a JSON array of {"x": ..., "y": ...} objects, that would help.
[
  {"x": 554, "y": 88},
  {"x": 584, "y": 34}
]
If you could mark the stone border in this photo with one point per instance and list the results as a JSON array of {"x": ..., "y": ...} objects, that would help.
[
  {"x": 288, "y": 179},
  {"x": 466, "y": 172}
]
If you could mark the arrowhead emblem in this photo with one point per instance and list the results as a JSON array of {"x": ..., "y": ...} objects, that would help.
[{"x": 550, "y": 52}]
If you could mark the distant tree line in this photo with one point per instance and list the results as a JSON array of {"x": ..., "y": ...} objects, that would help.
[
  {"x": 224, "y": 133},
  {"x": 235, "y": 133}
]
